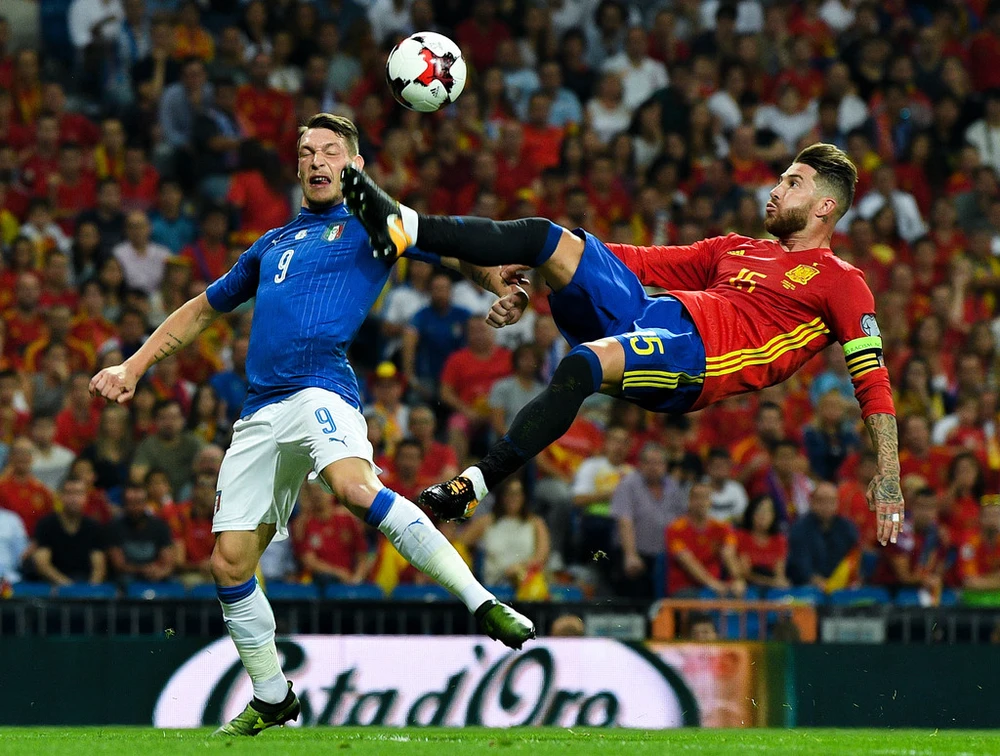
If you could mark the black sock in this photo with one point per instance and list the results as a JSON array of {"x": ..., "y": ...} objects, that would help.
[
  {"x": 542, "y": 420},
  {"x": 480, "y": 241},
  {"x": 271, "y": 708}
]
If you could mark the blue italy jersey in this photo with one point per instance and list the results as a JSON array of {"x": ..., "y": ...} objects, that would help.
[{"x": 315, "y": 280}]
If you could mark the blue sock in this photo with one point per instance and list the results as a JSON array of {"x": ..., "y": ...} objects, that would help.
[
  {"x": 384, "y": 500},
  {"x": 230, "y": 594}
]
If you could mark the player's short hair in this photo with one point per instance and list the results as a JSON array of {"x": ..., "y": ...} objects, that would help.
[
  {"x": 343, "y": 127},
  {"x": 835, "y": 173}
]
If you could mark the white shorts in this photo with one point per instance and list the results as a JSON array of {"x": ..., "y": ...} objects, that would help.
[{"x": 274, "y": 450}]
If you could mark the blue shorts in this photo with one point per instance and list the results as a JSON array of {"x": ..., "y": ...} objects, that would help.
[{"x": 664, "y": 354}]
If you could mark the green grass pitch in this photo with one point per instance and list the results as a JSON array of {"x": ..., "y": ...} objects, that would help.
[{"x": 91, "y": 741}]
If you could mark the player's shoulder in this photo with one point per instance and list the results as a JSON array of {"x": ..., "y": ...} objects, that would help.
[
  {"x": 269, "y": 236},
  {"x": 840, "y": 264},
  {"x": 732, "y": 242}
]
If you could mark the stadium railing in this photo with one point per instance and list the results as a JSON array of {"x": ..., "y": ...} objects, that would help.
[{"x": 736, "y": 619}]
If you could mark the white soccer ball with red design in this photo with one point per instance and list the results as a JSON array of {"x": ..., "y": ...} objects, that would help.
[{"x": 425, "y": 71}]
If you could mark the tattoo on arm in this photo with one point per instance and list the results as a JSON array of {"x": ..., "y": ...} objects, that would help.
[
  {"x": 882, "y": 428},
  {"x": 885, "y": 485},
  {"x": 172, "y": 345},
  {"x": 481, "y": 277}
]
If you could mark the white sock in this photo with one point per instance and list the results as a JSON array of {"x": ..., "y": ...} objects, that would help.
[
  {"x": 478, "y": 483},
  {"x": 410, "y": 221},
  {"x": 251, "y": 626},
  {"x": 423, "y": 546}
]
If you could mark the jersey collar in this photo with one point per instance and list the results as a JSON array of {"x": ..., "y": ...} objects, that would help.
[{"x": 337, "y": 211}]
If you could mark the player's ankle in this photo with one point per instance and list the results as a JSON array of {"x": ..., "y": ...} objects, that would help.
[
  {"x": 411, "y": 222},
  {"x": 475, "y": 476}
]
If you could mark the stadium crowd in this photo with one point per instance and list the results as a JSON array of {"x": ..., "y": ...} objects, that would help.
[{"x": 141, "y": 156}]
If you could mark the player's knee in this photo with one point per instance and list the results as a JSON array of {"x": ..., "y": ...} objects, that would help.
[
  {"x": 579, "y": 369},
  {"x": 355, "y": 492},
  {"x": 231, "y": 564}
]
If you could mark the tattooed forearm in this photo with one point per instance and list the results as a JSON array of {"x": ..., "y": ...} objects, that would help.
[
  {"x": 170, "y": 345},
  {"x": 882, "y": 428},
  {"x": 481, "y": 278},
  {"x": 885, "y": 497},
  {"x": 487, "y": 278}
]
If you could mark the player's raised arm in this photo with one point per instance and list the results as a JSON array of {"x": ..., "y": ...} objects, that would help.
[
  {"x": 852, "y": 320},
  {"x": 183, "y": 325},
  {"x": 512, "y": 298},
  {"x": 181, "y": 328}
]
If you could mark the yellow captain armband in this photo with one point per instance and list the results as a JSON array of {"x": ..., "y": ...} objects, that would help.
[{"x": 863, "y": 355}]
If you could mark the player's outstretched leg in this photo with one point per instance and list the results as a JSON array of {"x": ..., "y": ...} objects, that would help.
[
  {"x": 423, "y": 546},
  {"x": 393, "y": 227},
  {"x": 250, "y": 622},
  {"x": 540, "y": 422}
]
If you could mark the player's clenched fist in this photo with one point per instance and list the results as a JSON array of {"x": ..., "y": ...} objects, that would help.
[{"x": 116, "y": 384}]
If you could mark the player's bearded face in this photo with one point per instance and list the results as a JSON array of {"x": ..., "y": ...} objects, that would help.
[{"x": 785, "y": 221}]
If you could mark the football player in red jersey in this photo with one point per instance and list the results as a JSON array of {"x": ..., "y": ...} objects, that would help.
[{"x": 740, "y": 314}]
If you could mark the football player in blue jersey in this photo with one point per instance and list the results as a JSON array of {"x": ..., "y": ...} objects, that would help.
[{"x": 314, "y": 280}]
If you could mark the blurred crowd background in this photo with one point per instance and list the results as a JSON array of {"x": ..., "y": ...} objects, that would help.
[{"x": 145, "y": 143}]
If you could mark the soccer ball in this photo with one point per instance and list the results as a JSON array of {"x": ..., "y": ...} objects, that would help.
[{"x": 425, "y": 72}]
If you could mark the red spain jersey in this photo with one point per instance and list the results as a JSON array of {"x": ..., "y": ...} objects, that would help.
[
  {"x": 762, "y": 312},
  {"x": 763, "y": 557},
  {"x": 979, "y": 555},
  {"x": 338, "y": 540},
  {"x": 705, "y": 544}
]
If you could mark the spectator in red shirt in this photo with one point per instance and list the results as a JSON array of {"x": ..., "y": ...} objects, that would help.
[
  {"x": 466, "y": 380},
  {"x": 761, "y": 546},
  {"x": 333, "y": 547},
  {"x": 97, "y": 506},
  {"x": 71, "y": 189},
  {"x": 405, "y": 477},
  {"x": 209, "y": 253},
  {"x": 90, "y": 326},
  {"x": 267, "y": 114},
  {"x": 140, "y": 181},
  {"x": 78, "y": 421},
  {"x": 979, "y": 556},
  {"x": 191, "y": 524},
  {"x": 960, "y": 500},
  {"x": 752, "y": 454},
  {"x": 484, "y": 180},
  {"x": 73, "y": 127},
  {"x": 919, "y": 558},
  {"x": 58, "y": 321},
  {"x": 702, "y": 551},
  {"x": 256, "y": 192},
  {"x": 918, "y": 457},
  {"x": 27, "y": 86},
  {"x": 852, "y": 500},
  {"x": 42, "y": 160},
  {"x": 984, "y": 52},
  {"x": 20, "y": 491},
  {"x": 57, "y": 282},
  {"x": 481, "y": 34},
  {"x": 605, "y": 193},
  {"x": 515, "y": 168},
  {"x": 11, "y": 384},
  {"x": 24, "y": 321},
  {"x": 542, "y": 141},
  {"x": 439, "y": 460},
  {"x": 19, "y": 136}
]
